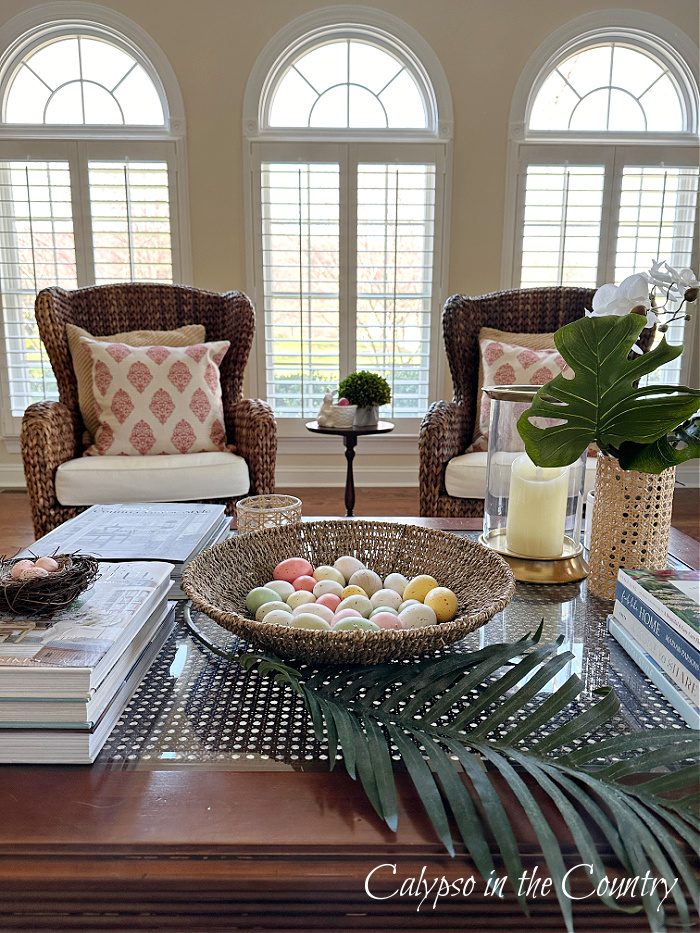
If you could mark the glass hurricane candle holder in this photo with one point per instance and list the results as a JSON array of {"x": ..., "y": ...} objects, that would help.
[{"x": 532, "y": 515}]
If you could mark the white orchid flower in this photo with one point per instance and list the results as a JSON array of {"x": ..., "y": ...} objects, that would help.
[
  {"x": 632, "y": 294},
  {"x": 684, "y": 280}
]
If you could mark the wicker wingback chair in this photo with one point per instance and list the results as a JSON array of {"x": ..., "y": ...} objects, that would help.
[
  {"x": 448, "y": 427},
  {"x": 52, "y": 432}
]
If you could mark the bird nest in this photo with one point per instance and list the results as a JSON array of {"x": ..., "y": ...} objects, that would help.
[{"x": 76, "y": 572}]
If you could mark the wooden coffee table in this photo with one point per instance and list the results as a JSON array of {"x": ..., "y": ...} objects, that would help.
[{"x": 225, "y": 845}]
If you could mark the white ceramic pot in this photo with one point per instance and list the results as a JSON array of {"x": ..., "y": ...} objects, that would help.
[{"x": 367, "y": 417}]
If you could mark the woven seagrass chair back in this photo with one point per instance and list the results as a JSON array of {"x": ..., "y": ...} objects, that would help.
[
  {"x": 518, "y": 310},
  {"x": 112, "y": 309}
]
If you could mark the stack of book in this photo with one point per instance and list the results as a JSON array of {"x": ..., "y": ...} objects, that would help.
[
  {"x": 656, "y": 619},
  {"x": 171, "y": 531},
  {"x": 66, "y": 678}
]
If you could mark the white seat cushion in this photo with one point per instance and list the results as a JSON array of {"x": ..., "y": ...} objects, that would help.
[
  {"x": 465, "y": 476},
  {"x": 172, "y": 478}
]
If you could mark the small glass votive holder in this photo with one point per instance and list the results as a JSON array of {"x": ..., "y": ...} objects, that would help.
[{"x": 270, "y": 511}]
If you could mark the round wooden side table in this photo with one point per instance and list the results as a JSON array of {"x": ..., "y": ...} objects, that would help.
[{"x": 350, "y": 436}]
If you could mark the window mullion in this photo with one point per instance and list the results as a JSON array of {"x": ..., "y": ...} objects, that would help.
[
  {"x": 348, "y": 259},
  {"x": 82, "y": 215},
  {"x": 610, "y": 218}
]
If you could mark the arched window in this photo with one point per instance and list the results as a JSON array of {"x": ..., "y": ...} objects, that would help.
[
  {"x": 604, "y": 155},
  {"x": 347, "y": 130},
  {"x": 90, "y": 137}
]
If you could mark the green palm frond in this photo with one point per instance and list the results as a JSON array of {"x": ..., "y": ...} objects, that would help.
[{"x": 477, "y": 712}]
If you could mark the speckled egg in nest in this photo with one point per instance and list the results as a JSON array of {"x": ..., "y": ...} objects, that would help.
[{"x": 56, "y": 590}]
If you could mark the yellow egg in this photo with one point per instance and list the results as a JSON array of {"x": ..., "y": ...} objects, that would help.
[
  {"x": 419, "y": 586},
  {"x": 443, "y": 602},
  {"x": 352, "y": 590}
]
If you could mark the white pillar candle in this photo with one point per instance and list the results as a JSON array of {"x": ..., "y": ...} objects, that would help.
[{"x": 536, "y": 509}]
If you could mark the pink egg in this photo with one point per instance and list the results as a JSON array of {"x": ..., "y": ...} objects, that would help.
[
  {"x": 387, "y": 620},
  {"x": 346, "y": 614},
  {"x": 330, "y": 600},
  {"x": 291, "y": 568},
  {"x": 304, "y": 582},
  {"x": 48, "y": 563},
  {"x": 343, "y": 401},
  {"x": 20, "y": 567},
  {"x": 33, "y": 573}
]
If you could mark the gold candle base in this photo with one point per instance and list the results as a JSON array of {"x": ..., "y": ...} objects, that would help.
[{"x": 568, "y": 568}]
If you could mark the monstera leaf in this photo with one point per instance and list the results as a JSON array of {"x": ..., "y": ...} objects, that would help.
[
  {"x": 679, "y": 445},
  {"x": 601, "y": 402}
]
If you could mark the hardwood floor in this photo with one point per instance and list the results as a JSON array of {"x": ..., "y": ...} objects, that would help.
[{"x": 16, "y": 525}]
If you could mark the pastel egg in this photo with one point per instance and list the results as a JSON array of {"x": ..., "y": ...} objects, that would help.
[
  {"x": 278, "y": 617},
  {"x": 265, "y": 608},
  {"x": 385, "y": 597},
  {"x": 361, "y": 603},
  {"x": 346, "y": 614},
  {"x": 283, "y": 587},
  {"x": 47, "y": 563},
  {"x": 388, "y": 609},
  {"x": 408, "y": 602},
  {"x": 258, "y": 596},
  {"x": 324, "y": 572},
  {"x": 396, "y": 581},
  {"x": 323, "y": 612},
  {"x": 33, "y": 573},
  {"x": 443, "y": 602},
  {"x": 330, "y": 600},
  {"x": 291, "y": 568},
  {"x": 19, "y": 567},
  {"x": 353, "y": 591},
  {"x": 347, "y": 565},
  {"x": 386, "y": 620},
  {"x": 367, "y": 579},
  {"x": 418, "y": 616},
  {"x": 306, "y": 620},
  {"x": 299, "y": 597},
  {"x": 304, "y": 582},
  {"x": 354, "y": 625},
  {"x": 419, "y": 586},
  {"x": 328, "y": 586}
]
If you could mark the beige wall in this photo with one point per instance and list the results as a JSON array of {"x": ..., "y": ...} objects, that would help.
[{"x": 483, "y": 46}]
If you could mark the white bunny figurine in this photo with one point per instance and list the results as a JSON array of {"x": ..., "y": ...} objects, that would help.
[{"x": 325, "y": 412}]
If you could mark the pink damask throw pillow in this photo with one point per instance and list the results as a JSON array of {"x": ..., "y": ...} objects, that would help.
[
  {"x": 503, "y": 364},
  {"x": 157, "y": 400}
]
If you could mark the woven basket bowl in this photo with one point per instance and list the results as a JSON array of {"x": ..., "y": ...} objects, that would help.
[
  {"x": 219, "y": 579},
  {"x": 47, "y": 594}
]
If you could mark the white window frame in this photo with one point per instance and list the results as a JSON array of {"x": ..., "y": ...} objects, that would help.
[
  {"x": 78, "y": 144},
  {"x": 432, "y": 144},
  {"x": 649, "y": 33}
]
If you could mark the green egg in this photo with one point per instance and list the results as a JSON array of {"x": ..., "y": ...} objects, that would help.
[
  {"x": 353, "y": 624},
  {"x": 360, "y": 603},
  {"x": 383, "y": 609},
  {"x": 258, "y": 596},
  {"x": 306, "y": 620}
]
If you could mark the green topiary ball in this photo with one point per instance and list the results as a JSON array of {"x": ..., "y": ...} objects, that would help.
[{"x": 365, "y": 389}]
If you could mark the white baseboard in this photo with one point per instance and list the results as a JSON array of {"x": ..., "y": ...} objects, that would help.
[
  {"x": 11, "y": 476},
  {"x": 291, "y": 476}
]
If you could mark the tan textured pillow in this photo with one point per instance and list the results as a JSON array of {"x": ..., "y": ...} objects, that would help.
[{"x": 82, "y": 363}]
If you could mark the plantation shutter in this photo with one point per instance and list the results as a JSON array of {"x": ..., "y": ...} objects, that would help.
[
  {"x": 657, "y": 221},
  {"x": 131, "y": 241},
  {"x": 563, "y": 206},
  {"x": 37, "y": 250},
  {"x": 395, "y": 244},
  {"x": 301, "y": 283},
  {"x": 130, "y": 207}
]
